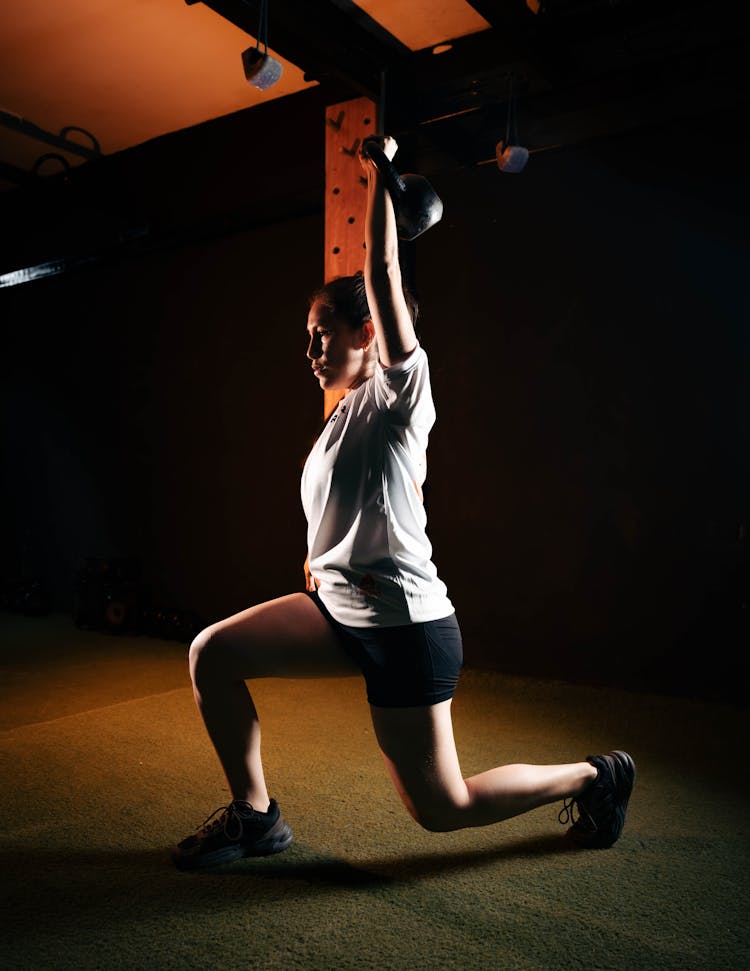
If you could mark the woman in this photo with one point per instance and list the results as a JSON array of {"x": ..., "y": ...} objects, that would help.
[{"x": 374, "y": 601}]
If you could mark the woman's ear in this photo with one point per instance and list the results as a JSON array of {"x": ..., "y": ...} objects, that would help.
[{"x": 368, "y": 335}]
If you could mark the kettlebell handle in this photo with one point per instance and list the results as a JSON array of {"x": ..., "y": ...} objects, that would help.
[
  {"x": 372, "y": 150},
  {"x": 416, "y": 204}
]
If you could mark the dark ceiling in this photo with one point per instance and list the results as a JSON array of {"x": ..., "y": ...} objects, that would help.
[{"x": 580, "y": 68}]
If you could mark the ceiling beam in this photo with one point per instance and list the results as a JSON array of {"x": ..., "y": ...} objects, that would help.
[
  {"x": 333, "y": 41},
  {"x": 524, "y": 36},
  {"x": 510, "y": 18}
]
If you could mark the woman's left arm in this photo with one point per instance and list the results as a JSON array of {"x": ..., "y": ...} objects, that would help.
[{"x": 390, "y": 314}]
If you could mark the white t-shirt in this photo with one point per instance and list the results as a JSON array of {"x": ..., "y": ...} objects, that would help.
[{"x": 362, "y": 496}]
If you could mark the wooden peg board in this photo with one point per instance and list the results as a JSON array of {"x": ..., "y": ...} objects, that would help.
[{"x": 347, "y": 124}]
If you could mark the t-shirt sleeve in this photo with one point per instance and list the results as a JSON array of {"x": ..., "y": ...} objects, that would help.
[{"x": 404, "y": 389}]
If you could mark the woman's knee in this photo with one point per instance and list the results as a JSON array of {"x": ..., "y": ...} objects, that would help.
[
  {"x": 443, "y": 818},
  {"x": 437, "y": 813},
  {"x": 209, "y": 657},
  {"x": 198, "y": 654}
]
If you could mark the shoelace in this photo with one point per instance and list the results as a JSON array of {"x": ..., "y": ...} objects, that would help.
[
  {"x": 582, "y": 818},
  {"x": 229, "y": 814},
  {"x": 565, "y": 815}
]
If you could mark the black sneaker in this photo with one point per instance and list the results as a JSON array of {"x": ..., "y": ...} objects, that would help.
[
  {"x": 600, "y": 809},
  {"x": 238, "y": 831}
]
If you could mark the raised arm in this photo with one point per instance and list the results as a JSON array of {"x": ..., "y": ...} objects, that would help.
[{"x": 390, "y": 315}]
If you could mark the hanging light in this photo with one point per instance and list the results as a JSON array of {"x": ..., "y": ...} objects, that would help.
[
  {"x": 261, "y": 70},
  {"x": 511, "y": 158}
]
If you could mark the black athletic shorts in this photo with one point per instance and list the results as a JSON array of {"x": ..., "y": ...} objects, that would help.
[{"x": 416, "y": 664}]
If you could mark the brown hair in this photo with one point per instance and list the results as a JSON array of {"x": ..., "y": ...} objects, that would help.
[{"x": 346, "y": 297}]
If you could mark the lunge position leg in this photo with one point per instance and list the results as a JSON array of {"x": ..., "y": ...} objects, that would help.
[
  {"x": 287, "y": 637},
  {"x": 420, "y": 754}
]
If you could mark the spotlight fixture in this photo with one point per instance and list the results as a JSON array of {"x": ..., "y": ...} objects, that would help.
[
  {"x": 261, "y": 70},
  {"x": 511, "y": 158}
]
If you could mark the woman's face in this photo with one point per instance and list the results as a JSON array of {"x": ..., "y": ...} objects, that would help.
[{"x": 338, "y": 352}]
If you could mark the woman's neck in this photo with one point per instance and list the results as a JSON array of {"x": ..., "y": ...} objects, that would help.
[{"x": 364, "y": 375}]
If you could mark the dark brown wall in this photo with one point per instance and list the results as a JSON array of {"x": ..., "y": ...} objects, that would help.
[
  {"x": 590, "y": 357},
  {"x": 586, "y": 323},
  {"x": 162, "y": 407}
]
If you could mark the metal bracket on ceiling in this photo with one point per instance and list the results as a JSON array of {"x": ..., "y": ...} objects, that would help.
[{"x": 20, "y": 124}]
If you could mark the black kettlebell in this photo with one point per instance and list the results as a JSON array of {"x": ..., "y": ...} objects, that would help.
[{"x": 416, "y": 204}]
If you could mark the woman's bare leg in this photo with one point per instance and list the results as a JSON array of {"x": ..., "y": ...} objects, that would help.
[
  {"x": 287, "y": 637},
  {"x": 420, "y": 753}
]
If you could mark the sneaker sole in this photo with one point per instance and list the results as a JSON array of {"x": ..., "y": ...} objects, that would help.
[{"x": 276, "y": 840}]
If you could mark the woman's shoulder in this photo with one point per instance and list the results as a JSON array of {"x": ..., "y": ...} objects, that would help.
[
  {"x": 404, "y": 387},
  {"x": 416, "y": 358}
]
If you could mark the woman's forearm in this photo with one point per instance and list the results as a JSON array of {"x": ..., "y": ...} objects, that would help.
[
  {"x": 390, "y": 315},
  {"x": 381, "y": 236}
]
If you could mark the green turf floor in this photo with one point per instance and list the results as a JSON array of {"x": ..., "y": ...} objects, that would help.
[{"x": 105, "y": 764}]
